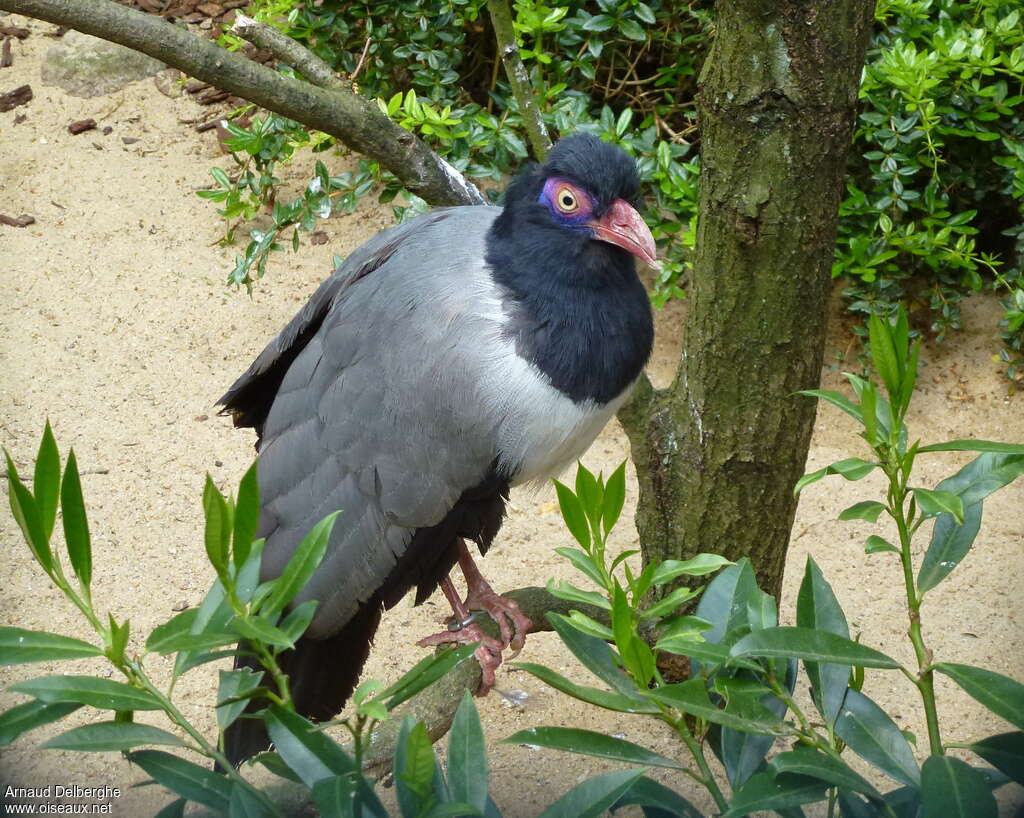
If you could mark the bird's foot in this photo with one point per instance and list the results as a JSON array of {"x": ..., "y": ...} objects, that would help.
[
  {"x": 512, "y": 622},
  {"x": 488, "y": 654}
]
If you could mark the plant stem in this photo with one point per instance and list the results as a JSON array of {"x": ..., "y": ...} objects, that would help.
[
  {"x": 706, "y": 777},
  {"x": 924, "y": 682}
]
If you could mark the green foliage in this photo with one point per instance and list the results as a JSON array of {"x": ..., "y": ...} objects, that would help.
[
  {"x": 935, "y": 197},
  {"x": 744, "y": 666},
  {"x": 433, "y": 68}
]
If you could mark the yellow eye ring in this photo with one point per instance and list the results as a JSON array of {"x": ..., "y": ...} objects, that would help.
[{"x": 566, "y": 200}]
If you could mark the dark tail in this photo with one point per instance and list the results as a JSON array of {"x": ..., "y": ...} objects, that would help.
[{"x": 322, "y": 674}]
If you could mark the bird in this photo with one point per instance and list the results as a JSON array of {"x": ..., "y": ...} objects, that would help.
[{"x": 449, "y": 358}]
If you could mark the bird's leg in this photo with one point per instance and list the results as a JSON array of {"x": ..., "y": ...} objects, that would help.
[
  {"x": 464, "y": 631},
  {"x": 512, "y": 622}
]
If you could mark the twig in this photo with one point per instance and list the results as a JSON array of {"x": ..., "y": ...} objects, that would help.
[
  {"x": 288, "y": 51},
  {"x": 362, "y": 60}
]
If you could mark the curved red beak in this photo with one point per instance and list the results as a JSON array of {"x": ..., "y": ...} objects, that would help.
[{"x": 623, "y": 226}]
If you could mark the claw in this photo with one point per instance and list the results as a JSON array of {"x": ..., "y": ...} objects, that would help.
[{"x": 488, "y": 654}]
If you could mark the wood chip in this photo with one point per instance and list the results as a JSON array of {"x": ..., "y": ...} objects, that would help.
[
  {"x": 12, "y": 99},
  {"x": 206, "y": 126},
  {"x": 194, "y": 17},
  {"x": 24, "y": 220},
  {"x": 5, "y": 53},
  {"x": 152, "y": 6},
  {"x": 81, "y": 126},
  {"x": 212, "y": 96},
  {"x": 15, "y": 31},
  {"x": 195, "y": 86},
  {"x": 130, "y": 140},
  {"x": 319, "y": 237},
  {"x": 19, "y": 118},
  {"x": 211, "y": 9}
]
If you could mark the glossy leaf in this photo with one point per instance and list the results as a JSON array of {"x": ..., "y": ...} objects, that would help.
[
  {"x": 30, "y": 715},
  {"x": 423, "y": 674},
  {"x": 592, "y": 797},
  {"x": 974, "y": 446},
  {"x": 334, "y": 797},
  {"x": 309, "y": 752},
  {"x": 1000, "y": 694},
  {"x": 467, "y": 756},
  {"x": 933, "y": 503},
  {"x": 247, "y": 515},
  {"x": 765, "y": 791},
  {"x": 951, "y": 788},
  {"x": 591, "y": 495},
  {"x": 570, "y": 593},
  {"x": 175, "y": 809},
  {"x": 724, "y": 601},
  {"x": 233, "y": 684},
  {"x": 591, "y": 627},
  {"x": 583, "y": 563},
  {"x": 258, "y": 629},
  {"x": 298, "y": 619},
  {"x": 636, "y": 654},
  {"x": 853, "y": 468},
  {"x": 692, "y": 697},
  {"x": 46, "y": 480},
  {"x": 1005, "y": 752},
  {"x": 217, "y": 529},
  {"x": 415, "y": 767},
  {"x": 810, "y": 645},
  {"x": 592, "y": 695},
  {"x": 300, "y": 567},
  {"x": 867, "y": 510},
  {"x": 949, "y": 544},
  {"x": 656, "y": 799},
  {"x": 587, "y": 742},
  {"x": 573, "y": 513},
  {"x": 818, "y": 609},
  {"x": 614, "y": 498},
  {"x": 710, "y": 653},
  {"x": 184, "y": 778},
  {"x": 837, "y": 399},
  {"x": 884, "y": 354},
  {"x": 104, "y": 694},
  {"x": 807, "y": 761},
  {"x": 108, "y": 736},
  {"x": 19, "y": 646},
  {"x": 670, "y": 602},
  {"x": 75, "y": 522},
  {"x": 872, "y": 735},
  {"x": 246, "y": 803},
  {"x": 26, "y": 514},
  {"x": 698, "y": 566},
  {"x": 876, "y": 545},
  {"x": 597, "y": 656}
]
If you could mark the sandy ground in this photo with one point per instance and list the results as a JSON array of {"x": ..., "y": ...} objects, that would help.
[{"x": 118, "y": 327}]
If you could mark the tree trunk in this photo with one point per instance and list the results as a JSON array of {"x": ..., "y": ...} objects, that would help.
[{"x": 718, "y": 453}]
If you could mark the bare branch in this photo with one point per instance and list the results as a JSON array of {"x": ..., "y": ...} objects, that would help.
[
  {"x": 358, "y": 122},
  {"x": 288, "y": 51}
]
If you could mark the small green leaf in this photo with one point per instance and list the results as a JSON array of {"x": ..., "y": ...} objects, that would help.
[
  {"x": 872, "y": 735},
  {"x": 813, "y": 763},
  {"x": 670, "y": 602},
  {"x": 217, "y": 527},
  {"x": 867, "y": 510},
  {"x": 596, "y": 655},
  {"x": 26, "y": 514},
  {"x": 884, "y": 355},
  {"x": 571, "y": 593},
  {"x": 587, "y": 742},
  {"x": 1005, "y": 752},
  {"x": 18, "y": 646},
  {"x": 591, "y": 494},
  {"x": 584, "y": 563},
  {"x": 765, "y": 791},
  {"x": 635, "y": 653},
  {"x": 875, "y": 545},
  {"x": 104, "y": 694},
  {"x": 184, "y": 778},
  {"x": 423, "y": 674},
  {"x": 247, "y": 514},
  {"x": 818, "y": 609},
  {"x": 309, "y": 752},
  {"x": 592, "y": 797},
  {"x": 298, "y": 619},
  {"x": 949, "y": 544},
  {"x": 110, "y": 736},
  {"x": 837, "y": 399},
  {"x": 467, "y": 756},
  {"x": 46, "y": 480},
  {"x": 810, "y": 645},
  {"x": 1000, "y": 694},
  {"x": 234, "y": 684},
  {"x": 300, "y": 567},
  {"x": 614, "y": 498},
  {"x": 951, "y": 788},
  {"x": 591, "y": 627},
  {"x": 260, "y": 630},
  {"x": 75, "y": 522},
  {"x": 853, "y": 468},
  {"x": 414, "y": 767},
  {"x": 698, "y": 566},
  {"x": 933, "y": 503},
  {"x": 663, "y": 801},
  {"x": 592, "y": 695},
  {"x": 692, "y": 697},
  {"x": 974, "y": 446},
  {"x": 30, "y": 715},
  {"x": 574, "y": 514}
]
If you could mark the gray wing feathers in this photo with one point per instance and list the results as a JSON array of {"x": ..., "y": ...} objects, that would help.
[{"x": 365, "y": 417}]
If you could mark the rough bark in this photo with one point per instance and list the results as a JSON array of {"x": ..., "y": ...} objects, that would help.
[
  {"x": 357, "y": 121},
  {"x": 718, "y": 453}
]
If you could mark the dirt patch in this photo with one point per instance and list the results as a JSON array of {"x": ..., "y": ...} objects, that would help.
[{"x": 118, "y": 327}]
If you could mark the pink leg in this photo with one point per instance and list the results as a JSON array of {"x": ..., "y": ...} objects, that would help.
[
  {"x": 464, "y": 631},
  {"x": 512, "y": 623}
]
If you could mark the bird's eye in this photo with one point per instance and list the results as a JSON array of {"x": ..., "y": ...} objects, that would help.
[{"x": 567, "y": 200}]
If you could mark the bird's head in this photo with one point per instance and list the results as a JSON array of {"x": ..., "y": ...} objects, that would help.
[{"x": 588, "y": 189}]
